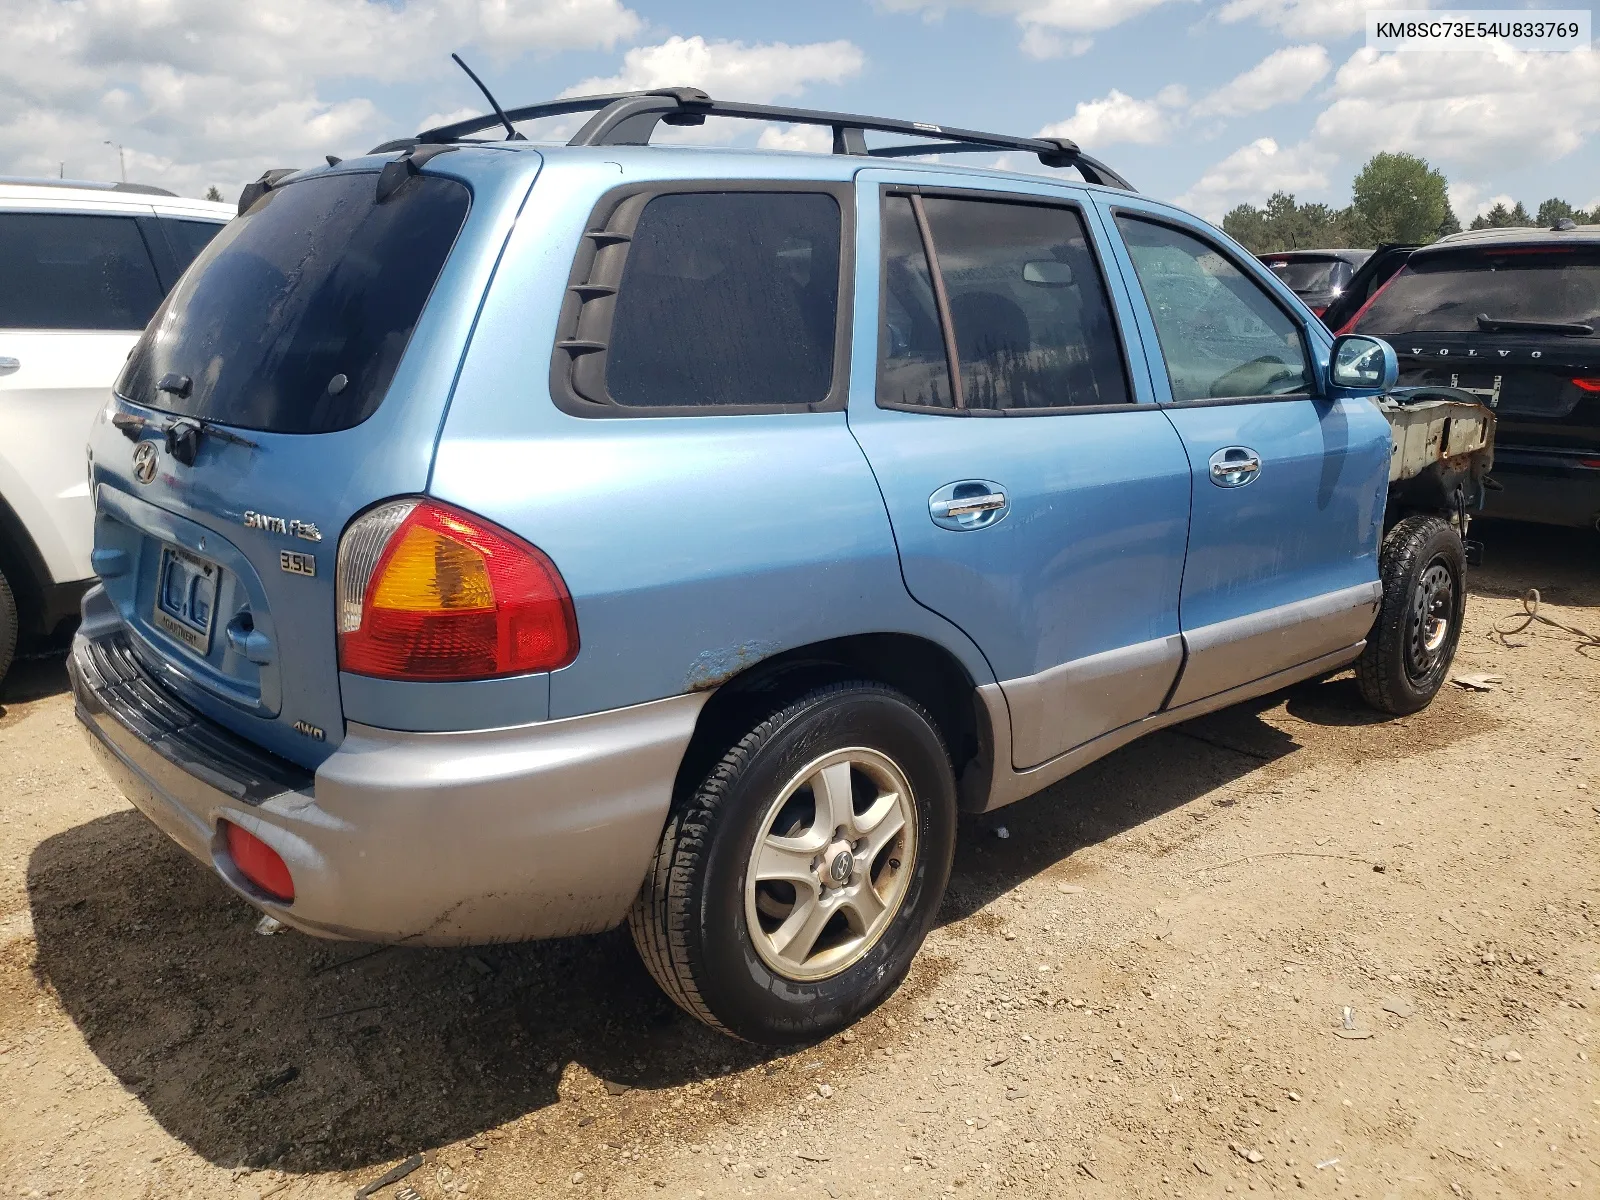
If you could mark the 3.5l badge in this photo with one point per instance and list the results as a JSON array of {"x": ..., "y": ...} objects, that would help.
[{"x": 296, "y": 563}]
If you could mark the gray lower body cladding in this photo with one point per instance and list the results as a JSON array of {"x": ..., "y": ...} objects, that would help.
[{"x": 427, "y": 838}]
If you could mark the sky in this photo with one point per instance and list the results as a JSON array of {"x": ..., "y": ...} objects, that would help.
[{"x": 1206, "y": 102}]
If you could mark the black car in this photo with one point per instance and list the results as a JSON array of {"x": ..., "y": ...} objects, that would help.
[
  {"x": 1319, "y": 277},
  {"x": 1510, "y": 315}
]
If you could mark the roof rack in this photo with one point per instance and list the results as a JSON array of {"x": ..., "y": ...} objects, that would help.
[{"x": 629, "y": 118}]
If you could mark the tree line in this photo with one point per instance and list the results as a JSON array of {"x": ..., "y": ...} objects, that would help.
[{"x": 1394, "y": 198}]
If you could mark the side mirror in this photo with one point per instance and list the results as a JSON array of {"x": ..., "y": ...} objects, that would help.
[
  {"x": 1363, "y": 364},
  {"x": 1047, "y": 273}
]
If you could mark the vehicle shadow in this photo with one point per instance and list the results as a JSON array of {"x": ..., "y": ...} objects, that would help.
[
  {"x": 1564, "y": 564},
  {"x": 314, "y": 1055},
  {"x": 32, "y": 679}
]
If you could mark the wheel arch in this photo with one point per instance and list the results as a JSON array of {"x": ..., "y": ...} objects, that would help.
[
  {"x": 26, "y": 572},
  {"x": 924, "y": 670}
]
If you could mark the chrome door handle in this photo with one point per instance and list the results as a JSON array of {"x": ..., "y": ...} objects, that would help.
[
  {"x": 9, "y": 366},
  {"x": 1234, "y": 466},
  {"x": 967, "y": 505}
]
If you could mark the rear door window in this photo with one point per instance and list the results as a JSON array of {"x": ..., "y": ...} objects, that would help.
[
  {"x": 1222, "y": 335},
  {"x": 727, "y": 299},
  {"x": 75, "y": 271},
  {"x": 294, "y": 317},
  {"x": 1031, "y": 318},
  {"x": 188, "y": 238}
]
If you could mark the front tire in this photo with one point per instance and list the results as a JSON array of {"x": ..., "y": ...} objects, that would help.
[
  {"x": 792, "y": 888},
  {"x": 1423, "y": 566}
]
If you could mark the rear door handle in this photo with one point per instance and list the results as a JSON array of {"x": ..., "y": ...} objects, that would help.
[
  {"x": 969, "y": 504},
  {"x": 9, "y": 366},
  {"x": 1234, "y": 466}
]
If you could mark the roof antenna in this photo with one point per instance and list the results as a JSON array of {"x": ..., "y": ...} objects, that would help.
[{"x": 511, "y": 134}]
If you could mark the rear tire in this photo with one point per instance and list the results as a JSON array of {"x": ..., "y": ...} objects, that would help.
[
  {"x": 795, "y": 883},
  {"x": 8, "y": 626},
  {"x": 1423, "y": 567}
]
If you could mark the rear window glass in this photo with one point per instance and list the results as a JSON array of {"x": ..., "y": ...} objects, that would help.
[
  {"x": 294, "y": 317},
  {"x": 728, "y": 298},
  {"x": 67, "y": 271},
  {"x": 188, "y": 238},
  {"x": 1449, "y": 293},
  {"x": 1313, "y": 275}
]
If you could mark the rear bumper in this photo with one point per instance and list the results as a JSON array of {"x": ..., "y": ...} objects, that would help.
[
  {"x": 427, "y": 838},
  {"x": 1551, "y": 489}
]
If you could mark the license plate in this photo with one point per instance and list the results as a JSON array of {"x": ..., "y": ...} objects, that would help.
[{"x": 186, "y": 597}]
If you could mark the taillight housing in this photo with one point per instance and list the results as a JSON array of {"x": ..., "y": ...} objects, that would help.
[
  {"x": 428, "y": 592},
  {"x": 1587, "y": 385}
]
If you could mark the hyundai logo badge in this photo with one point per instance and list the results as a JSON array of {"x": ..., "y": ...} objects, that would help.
[{"x": 145, "y": 461}]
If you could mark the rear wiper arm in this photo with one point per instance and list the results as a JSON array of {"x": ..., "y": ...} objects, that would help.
[
  {"x": 182, "y": 434},
  {"x": 1507, "y": 325}
]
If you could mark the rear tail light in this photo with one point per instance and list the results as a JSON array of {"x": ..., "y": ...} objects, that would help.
[
  {"x": 1587, "y": 385},
  {"x": 427, "y": 592},
  {"x": 1318, "y": 310},
  {"x": 259, "y": 863}
]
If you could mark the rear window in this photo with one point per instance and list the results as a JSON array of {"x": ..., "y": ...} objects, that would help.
[
  {"x": 1313, "y": 275},
  {"x": 728, "y": 298},
  {"x": 69, "y": 271},
  {"x": 1447, "y": 293},
  {"x": 188, "y": 238},
  {"x": 294, "y": 317}
]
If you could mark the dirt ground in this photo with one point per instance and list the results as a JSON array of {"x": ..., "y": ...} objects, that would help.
[{"x": 1138, "y": 986}]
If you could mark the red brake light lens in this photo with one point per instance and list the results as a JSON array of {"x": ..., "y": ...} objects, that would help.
[
  {"x": 1587, "y": 385},
  {"x": 259, "y": 863},
  {"x": 427, "y": 592}
]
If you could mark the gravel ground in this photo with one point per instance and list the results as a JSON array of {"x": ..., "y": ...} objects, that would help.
[{"x": 1139, "y": 986}]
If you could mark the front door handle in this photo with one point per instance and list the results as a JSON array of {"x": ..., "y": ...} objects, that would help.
[
  {"x": 970, "y": 504},
  {"x": 1234, "y": 466},
  {"x": 10, "y": 366}
]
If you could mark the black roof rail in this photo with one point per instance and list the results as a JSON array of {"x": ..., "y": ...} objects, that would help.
[{"x": 629, "y": 118}]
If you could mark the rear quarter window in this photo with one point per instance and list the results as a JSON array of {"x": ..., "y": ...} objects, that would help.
[
  {"x": 293, "y": 318},
  {"x": 74, "y": 271}
]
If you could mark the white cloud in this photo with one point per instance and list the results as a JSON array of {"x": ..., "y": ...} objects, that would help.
[
  {"x": 730, "y": 69},
  {"x": 1043, "y": 21},
  {"x": 1283, "y": 77},
  {"x": 202, "y": 91},
  {"x": 1500, "y": 109},
  {"x": 1253, "y": 172},
  {"x": 813, "y": 138},
  {"x": 1307, "y": 18},
  {"x": 1116, "y": 117}
]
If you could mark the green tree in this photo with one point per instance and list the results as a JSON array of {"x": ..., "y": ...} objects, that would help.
[
  {"x": 1552, "y": 210},
  {"x": 1400, "y": 198},
  {"x": 212, "y": 193},
  {"x": 1501, "y": 217},
  {"x": 1285, "y": 225}
]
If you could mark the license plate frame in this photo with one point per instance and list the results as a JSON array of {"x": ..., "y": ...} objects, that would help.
[{"x": 185, "y": 605}]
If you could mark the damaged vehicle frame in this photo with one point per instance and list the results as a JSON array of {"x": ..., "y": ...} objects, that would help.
[{"x": 604, "y": 531}]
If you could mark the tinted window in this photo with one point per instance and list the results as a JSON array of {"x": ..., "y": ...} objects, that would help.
[
  {"x": 911, "y": 359},
  {"x": 1448, "y": 292},
  {"x": 188, "y": 238},
  {"x": 295, "y": 316},
  {"x": 728, "y": 298},
  {"x": 60, "y": 271},
  {"x": 1220, "y": 332},
  {"x": 1312, "y": 275},
  {"x": 1033, "y": 325}
]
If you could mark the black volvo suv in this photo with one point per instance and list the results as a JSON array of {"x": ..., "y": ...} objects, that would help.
[{"x": 1511, "y": 315}]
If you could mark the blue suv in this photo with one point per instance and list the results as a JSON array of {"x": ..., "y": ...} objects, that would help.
[{"x": 501, "y": 540}]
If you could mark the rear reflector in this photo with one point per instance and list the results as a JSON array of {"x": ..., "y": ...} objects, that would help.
[
  {"x": 428, "y": 592},
  {"x": 1587, "y": 385},
  {"x": 259, "y": 863}
]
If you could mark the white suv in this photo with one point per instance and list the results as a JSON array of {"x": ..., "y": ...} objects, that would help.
[{"x": 82, "y": 268}]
